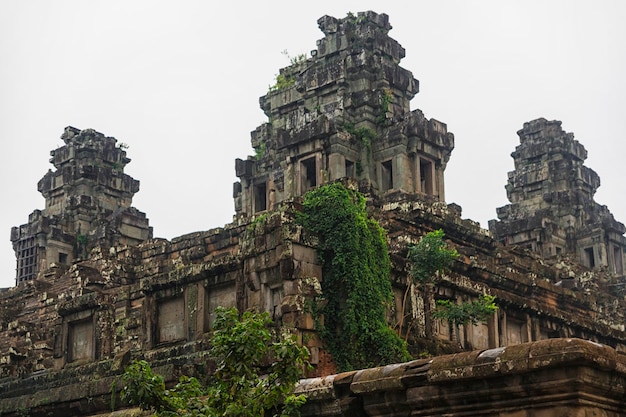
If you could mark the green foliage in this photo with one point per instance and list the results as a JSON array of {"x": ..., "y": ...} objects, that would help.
[
  {"x": 143, "y": 388},
  {"x": 282, "y": 82},
  {"x": 385, "y": 100},
  {"x": 464, "y": 313},
  {"x": 352, "y": 18},
  {"x": 364, "y": 135},
  {"x": 356, "y": 289},
  {"x": 244, "y": 384},
  {"x": 430, "y": 256},
  {"x": 260, "y": 219},
  {"x": 259, "y": 151},
  {"x": 294, "y": 60}
]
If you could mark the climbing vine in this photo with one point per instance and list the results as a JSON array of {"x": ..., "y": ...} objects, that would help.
[
  {"x": 356, "y": 290},
  {"x": 385, "y": 100},
  {"x": 259, "y": 151},
  {"x": 364, "y": 135}
]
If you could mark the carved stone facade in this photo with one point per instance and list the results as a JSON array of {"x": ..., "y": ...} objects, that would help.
[
  {"x": 552, "y": 210},
  {"x": 88, "y": 203},
  {"x": 67, "y": 332},
  {"x": 344, "y": 112}
]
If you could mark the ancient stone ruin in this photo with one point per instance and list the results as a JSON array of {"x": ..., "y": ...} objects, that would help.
[
  {"x": 552, "y": 211},
  {"x": 95, "y": 290},
  {"x": 88, "y": 201}
]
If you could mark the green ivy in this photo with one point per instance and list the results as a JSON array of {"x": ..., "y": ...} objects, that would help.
[
  {"x": 385, "y": 100},
  {"x": 356, "y": 289},
  {"x": 363, "y": 134}
]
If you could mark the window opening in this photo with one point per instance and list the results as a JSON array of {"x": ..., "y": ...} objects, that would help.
[
  {"x": 590, "y": 261},
  {"x": 426, "y": 177},
  {"x": 350, "y": 169},
  {"x": 617, "y": 260},
  {"x": 308, "y": 173},
  {"x": 26, "y": 260},
  {"x": 387, "y": 175},
  {"x": 260, "y": 197}
]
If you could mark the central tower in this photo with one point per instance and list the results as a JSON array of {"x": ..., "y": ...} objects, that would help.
[{"x": 344, "y": 112}]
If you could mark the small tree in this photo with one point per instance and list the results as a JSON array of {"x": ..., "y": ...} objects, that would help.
[
  {"x": 257, "y": 370},
  {"x": 428, "y": 257}
]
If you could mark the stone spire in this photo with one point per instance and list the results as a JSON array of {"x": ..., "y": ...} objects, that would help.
[
  {"x": 344, "y": 112},
  {"x": 552, "y": 209},
  {"x": 88, "y": 202}
]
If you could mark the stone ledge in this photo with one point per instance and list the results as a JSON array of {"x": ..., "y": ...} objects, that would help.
[{"x": 548, "y": 377}]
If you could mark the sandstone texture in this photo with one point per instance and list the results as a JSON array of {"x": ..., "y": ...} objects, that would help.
[{"x": 94, "y": 290}]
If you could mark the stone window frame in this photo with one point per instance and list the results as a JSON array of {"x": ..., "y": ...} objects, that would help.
[
  {"x": 260, "y": 197},
  {"x": 386, "y": 175},
  {"x": 180, "y": 298},
  {"x": 504, "y": 316},
  {"x": 273, "y": 298},
  {"x": 426, "y": 180},
  {"x": 305, "y": 166},
  {"x": 589, "y": 257},
  {"x": 27, "y": 259},
  {"x": 151, "y": 314},
  {"x": 70, "y": 320},
  {"x": 208, "y": 313}
]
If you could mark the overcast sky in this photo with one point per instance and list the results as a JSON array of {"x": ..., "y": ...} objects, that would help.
[{"x": 179, "y": 82}]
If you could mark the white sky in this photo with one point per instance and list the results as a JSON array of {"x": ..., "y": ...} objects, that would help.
[{"x": 179, "y": 82}]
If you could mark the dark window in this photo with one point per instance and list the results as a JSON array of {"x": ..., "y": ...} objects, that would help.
[
  {"x": 618, "y": 267},
  {"x": 349, "y": 169},
  {"x": 62, "y": 258},
  {"x": 26, "y": 260},
  {"x": 260, "y": 197},
  {"x": 590, "y": 260},
  {"x": 426, "y": 177},
  {"x": 386, "y": 175},
  {"x": 308, "y": 174}
]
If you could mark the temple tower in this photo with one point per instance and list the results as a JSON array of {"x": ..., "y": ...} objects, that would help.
[
  {"x": 88, "y": 203},
  {"x": 552, "y": 209},
  {"x": 344, "y": 112}
]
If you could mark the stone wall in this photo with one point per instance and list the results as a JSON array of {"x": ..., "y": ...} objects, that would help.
[
  {"x": 67, "y": 332},
  {"x": 128, "y": 302}
]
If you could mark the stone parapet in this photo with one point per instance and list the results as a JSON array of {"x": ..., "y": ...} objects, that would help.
[{"x": 557, "y": 377}]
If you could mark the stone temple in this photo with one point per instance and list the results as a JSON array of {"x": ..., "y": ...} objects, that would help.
[{"x": 95, "y": 290}]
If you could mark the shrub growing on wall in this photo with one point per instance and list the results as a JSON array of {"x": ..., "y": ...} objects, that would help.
[
  {"x": 244, "y": 384},
  {"x": 356, "y": 290}
]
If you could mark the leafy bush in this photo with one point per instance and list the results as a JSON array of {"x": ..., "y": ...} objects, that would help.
[{"x": 257, "y": 370}]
